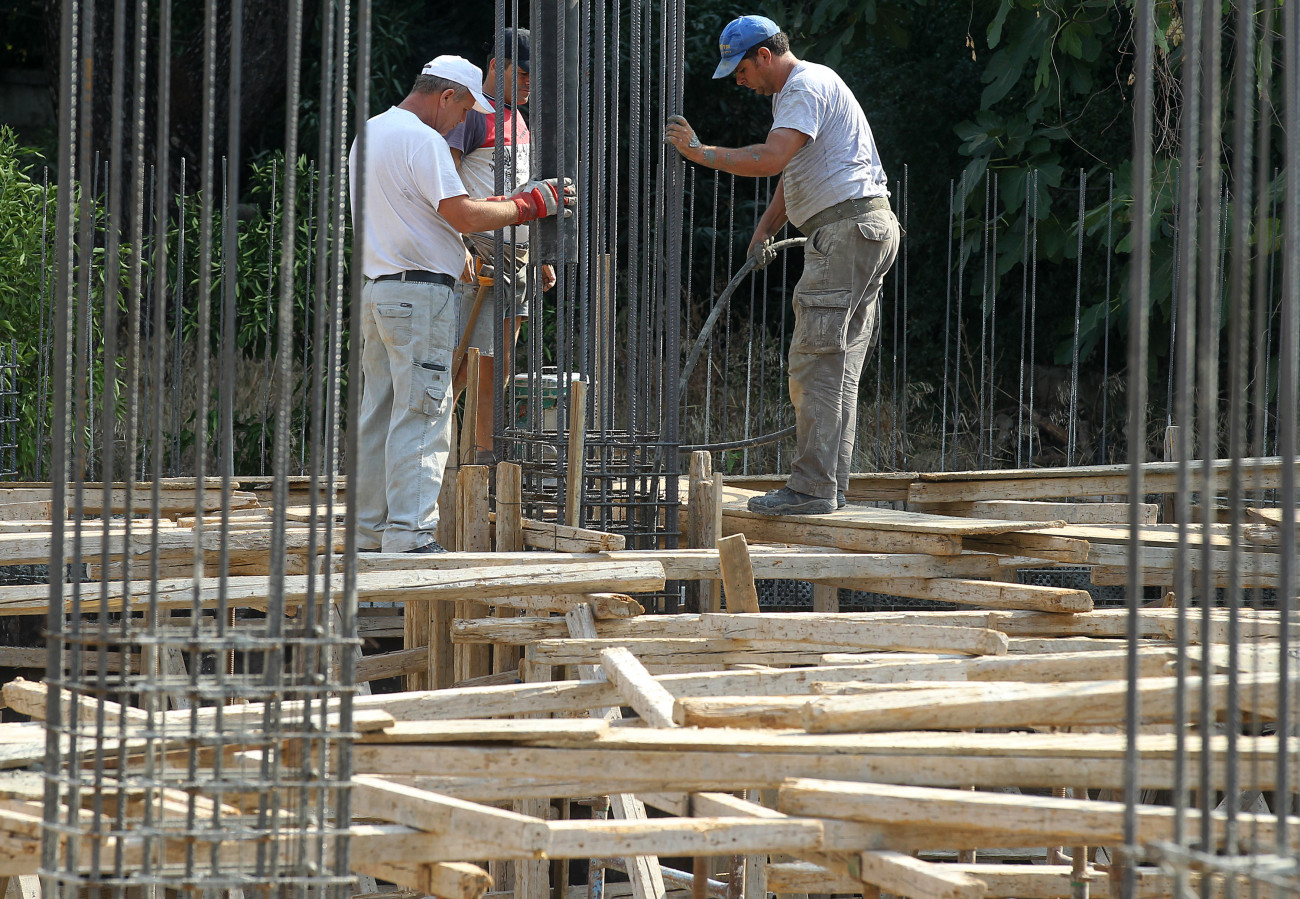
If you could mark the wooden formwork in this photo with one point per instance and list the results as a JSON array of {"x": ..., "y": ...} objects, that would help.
[{"x": 973, "y": 751}]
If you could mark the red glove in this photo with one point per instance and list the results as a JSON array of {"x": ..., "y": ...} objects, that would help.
[{"x": 539, "y": 199}]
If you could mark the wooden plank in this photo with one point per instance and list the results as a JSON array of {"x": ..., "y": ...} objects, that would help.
[
  {"x": 682, "y": 837},
  {"x": 1263, "y": 473},
  {"x": 1034, "y": 544},
  {"x": 556, "y": 537},
  {"x": 737, "y": 574},
  {"x": 373, "y": 797},
  {"x": 401, "y": 663},
  {"x": 1002, "y": 818},
  {"x": 492, "y": 584},
  {"x": 749, "y": 761},
  {"x": 790, "y": 563},
  {"x": 904, "y": 875},
  {"x": 578, "y": 731},
  {"x": 1020, "y": 705},
  {"x": 637, "y": 687},
  {"x": 869, "y": 487},
  {"x": 829, "y": 629},
  {"x": 823, "y": 531},
  {"x": 1038, "y": 510},
  {"x": 676, "y": 652},
  {"x": 869, "y": 518},
  {"x": 1001, "y": 881},
  {"x": 447, "y": 880},
  {"x": 985, "y": 594}
]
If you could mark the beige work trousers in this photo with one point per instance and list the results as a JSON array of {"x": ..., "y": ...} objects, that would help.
[{"x": 836, "y": 322}]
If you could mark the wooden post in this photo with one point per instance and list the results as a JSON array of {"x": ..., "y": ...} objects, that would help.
[
  {"x": 577, "y": 451},
  {"x": 436, "y": 629},
  {"x": 715, "y": 511},
  {"x": 474, "y": 659},
  {"x": 469, "y": 424},
  {"x": 699, "y": 523},
  {"x": 510, "y": 539},
  {"x": 1168, "y": 503},
  {"x": 533, "y": 877},
  {"x": 825, "y": 598},
  {"x": 737, "y": 574},
  {"x": 643, "y": 870}
]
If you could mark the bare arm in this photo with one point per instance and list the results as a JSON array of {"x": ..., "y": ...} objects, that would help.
[
  {"x": 754, "y": 161},
  {"x": 468, "y": 216},
  {"x": 456, "y": 154}
]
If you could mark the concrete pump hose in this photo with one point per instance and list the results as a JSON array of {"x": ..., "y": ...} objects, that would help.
[{"x": 720, "y": 304}]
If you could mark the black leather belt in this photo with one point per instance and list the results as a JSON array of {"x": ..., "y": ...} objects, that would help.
[
  {"x": 421, "y": 277},
  {"x": 841, "y": 211}
]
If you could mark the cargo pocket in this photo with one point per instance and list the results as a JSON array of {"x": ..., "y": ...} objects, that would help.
[
  {"x": 821, "y": 320},
  {"x": 875, "y": 228},
  {"x": 430, "y": 383},
  {"x": 394, "y": 321}
]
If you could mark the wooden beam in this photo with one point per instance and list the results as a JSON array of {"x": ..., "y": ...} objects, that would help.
[
  {"x": 446, "y": 880},
  {"x": 637, "y": 687},
  {"x": 991, "y": 819},
  {"x": 904, "y": 875},
  {"x": 738, "y": 587},
  {"x": 829, "y": 629},
  {"x": 523, "y": 836}
]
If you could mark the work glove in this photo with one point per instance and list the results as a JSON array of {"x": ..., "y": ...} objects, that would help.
[
  {"x": 539, "y": 199},
  {"x": 762, "y": 254}
]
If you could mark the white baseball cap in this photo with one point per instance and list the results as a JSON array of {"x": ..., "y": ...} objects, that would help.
[{"x": 460, "y": 70}]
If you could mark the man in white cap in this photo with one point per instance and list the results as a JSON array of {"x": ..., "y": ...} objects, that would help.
[
  {"x": 411, "y": 214},
  {"x": 833, "y": 188}
]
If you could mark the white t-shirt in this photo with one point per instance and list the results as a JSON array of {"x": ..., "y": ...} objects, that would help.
[
  {"x": 840, "y": 160},
  {"x": 409, "y": 171}
]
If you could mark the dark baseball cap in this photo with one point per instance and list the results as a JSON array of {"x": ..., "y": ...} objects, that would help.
[{"x": 516, "y": 45}]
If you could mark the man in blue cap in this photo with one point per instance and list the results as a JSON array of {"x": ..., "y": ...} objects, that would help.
[{"x": 833, "y": 189}]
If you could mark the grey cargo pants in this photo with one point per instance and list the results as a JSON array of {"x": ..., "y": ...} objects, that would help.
[{"x": 836, "y": 321}]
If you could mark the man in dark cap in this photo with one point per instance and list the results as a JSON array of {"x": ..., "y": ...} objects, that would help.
[
  {"x": 473, "y": 146},
  {"x": 833, "y": 188}
]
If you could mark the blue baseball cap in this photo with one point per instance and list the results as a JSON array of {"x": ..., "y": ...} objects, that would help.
[{"x": 737, "y": 39}]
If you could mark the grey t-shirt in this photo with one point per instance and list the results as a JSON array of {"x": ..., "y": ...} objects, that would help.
[{"x": 840, "y": 160}]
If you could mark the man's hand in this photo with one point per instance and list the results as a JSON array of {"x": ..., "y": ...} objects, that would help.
[
  {"x": 680, "y": 134},
  {"x": 467, "y": 275},
  {"x": 539, "y": 199},
  {"x": 760, "y": 250},
  {"x": 548, "y": 277}
]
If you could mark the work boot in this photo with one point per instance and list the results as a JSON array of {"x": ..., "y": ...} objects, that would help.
[
  {"x": 840, "y": 501},
  {"x": 787, "y": 502},
  {"x": 431, "y": 547}
]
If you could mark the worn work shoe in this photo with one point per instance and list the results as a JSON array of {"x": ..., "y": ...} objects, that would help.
[
  {"x": 840, "y": 501},
  {"x": 787, "y": 502},
  {"x": 430, "y": 547}
]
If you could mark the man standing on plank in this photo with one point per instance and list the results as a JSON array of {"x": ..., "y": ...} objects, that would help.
[
  {"x": 833, "y": 189},
  {"x": 414, "y": 212},
  {"x": 473, "y": 147}
]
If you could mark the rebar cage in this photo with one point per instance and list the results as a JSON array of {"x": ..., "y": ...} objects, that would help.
[{"x": 193, "y": 745}]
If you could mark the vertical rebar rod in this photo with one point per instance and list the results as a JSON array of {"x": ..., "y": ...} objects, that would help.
[{"x": 1139, "y": 300}]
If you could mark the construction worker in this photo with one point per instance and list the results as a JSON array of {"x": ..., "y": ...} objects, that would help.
[
  {"x": 473, "y": 147},
  {"x": 415, "y": 210},
  {"x": 833, "y": 189}
]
